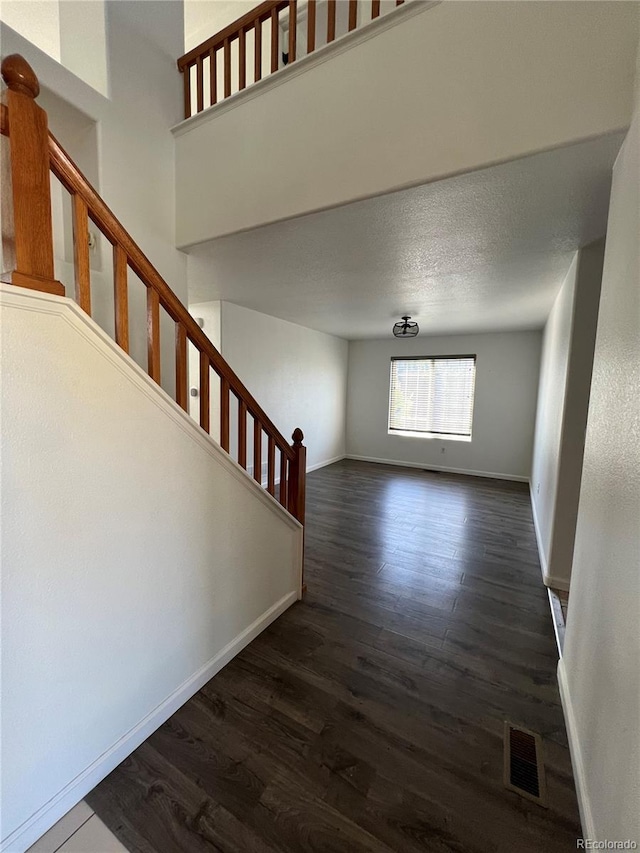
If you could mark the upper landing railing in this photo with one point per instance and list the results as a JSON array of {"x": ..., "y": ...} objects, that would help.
[
  {"x": 223, "y": 62},
  {"x": 33, "y": 153}
]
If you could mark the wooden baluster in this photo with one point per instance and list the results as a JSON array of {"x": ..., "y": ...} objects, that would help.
[
  {"x": 199, "y": 84},
  {"x": 311, "y": 26},
  {"x": 213, "y": 76},
  {"x": 30, "y": 187},
  {"x": 242, "y": 58},
  {"x": 297, "y": 477},
  {"x": 242, "y": 433},
  {"x": 81, "y": 264},
  {"x": 274, "y": 40},
  {"x": 353, "y": 14},
  {"x": 282, "y": 493},
  {"x": 293, "y": 27},
  {"x": 153, "y": 334},
  {"x": 331, "y": 20},
  {"x": 375, "y": 9},
  {"x": 271, "y": 466},
  {"x": 297, "y": 486},
  {"x": 227, "y": 68},
  {"x": 257, "y": 70},
  {"x": 204, "y": 391},
  {"x": 399, "y": 2},
  {"x": 186, "y": 83},
  {"x": 257, "y": 450},
  {"x": 224, "y": 414},
  {"x": 121, "y": 297},
  {"x": 181, "y": 366}
]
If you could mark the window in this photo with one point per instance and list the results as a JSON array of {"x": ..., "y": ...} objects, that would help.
[{"x": 432, "y": 397}]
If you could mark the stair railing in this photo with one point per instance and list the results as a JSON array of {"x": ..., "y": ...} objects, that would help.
[
  {"x": 202, "y": 62},
  {"x": 27, "y": 223}
]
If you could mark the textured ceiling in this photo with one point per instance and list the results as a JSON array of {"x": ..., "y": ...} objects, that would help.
[{"x": 484, "y": 251}]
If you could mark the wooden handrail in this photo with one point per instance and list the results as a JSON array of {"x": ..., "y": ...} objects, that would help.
[
  {"x": 74, "y": 182},
  {"x": 33, "y": 152},
  {"x": 261, "y": 13},
  {"x": 205, "y": 54}
]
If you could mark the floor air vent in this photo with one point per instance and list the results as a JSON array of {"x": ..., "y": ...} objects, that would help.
[{"x": 523, "y": 767}]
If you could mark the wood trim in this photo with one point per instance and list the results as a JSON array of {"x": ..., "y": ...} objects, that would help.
[
  {"x": 213, "y": 77},
  {"x": 293, "y": 26},
  {"x": 297, "y": 477},
  {"x": 375, "y": 9},
  {"x": 257, "y": 451},
  {"x": 242, "y": 58},
  {"x": 153, "y": 334},
  {"x": 282, "y": 493},
  {"x": 227, "y": 67},
  {"x": 121, "y": 301},
  {"x": 224, "y": 414},
  {"x": 262, "y": 13},
  {"x": 311, "y": 26},
  {"x": 81, "y": 263},
  {"x": 29, "y": 165},
  {"x": 331, "y": 20},
  {"x": 186, "y": 90},
  {"x": 181, "y": 367},
  {"x": 353, "y": 14},
  {"x": 33, "y": 282},
  {"x": 242, "y": 433},
  {"x": 271, "y": 466},
  {"x": 205, "y": 406},
  {"x": 275, "y": 47},
  {"x": 199, "y": 85},
  {"x": 257, "y": 68}
]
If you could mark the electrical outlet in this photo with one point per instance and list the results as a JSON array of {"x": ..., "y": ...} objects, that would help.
[
  {"x": 538, "y": 489},
  {"x": 442, "y": 449}
]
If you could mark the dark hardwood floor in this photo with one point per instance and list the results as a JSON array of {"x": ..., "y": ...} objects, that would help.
[{"x": 370, "y": 716}]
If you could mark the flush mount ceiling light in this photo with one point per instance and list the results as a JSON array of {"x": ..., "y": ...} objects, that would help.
[{"x": 405, "y": 329}]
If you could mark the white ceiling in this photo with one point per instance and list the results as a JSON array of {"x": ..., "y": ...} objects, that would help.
[{"x": 485, "y": 251}]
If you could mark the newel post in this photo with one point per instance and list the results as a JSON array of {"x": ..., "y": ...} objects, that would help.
[
  {"x": 30, "y": 188},
  {"x": 297, "y": 483},
  {"x": 297, "y": 476}
]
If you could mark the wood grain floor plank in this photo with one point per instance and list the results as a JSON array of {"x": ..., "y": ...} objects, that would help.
[{"x": 369, "y": 717}]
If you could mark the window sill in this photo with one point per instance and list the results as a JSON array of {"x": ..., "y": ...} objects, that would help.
[{"x": 429, "y": 435}]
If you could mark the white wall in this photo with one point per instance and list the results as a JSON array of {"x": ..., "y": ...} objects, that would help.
[
  {"x": 297, "y": 375},
  {"x": 72, "y": 32},
  {"x": 548, "y": 435},
  {"x": 136, "y": 152},
  {"x": 83, "y": 41},
  {"x": 36, "y": 20},
  {"x": 504, "y": 411},
  {"x": 563, "y": 398},
  {"x": 447, "y": 89},
  {"x": 599, "y": 673},
  {"x": 128, "y": 574}
]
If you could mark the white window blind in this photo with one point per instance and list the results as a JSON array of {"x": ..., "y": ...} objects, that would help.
[{"x": 432, "y": 395}]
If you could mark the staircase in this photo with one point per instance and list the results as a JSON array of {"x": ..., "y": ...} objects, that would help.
[
  {"x": 138, "y": 556},
  {"x": 33, "y": 152}
]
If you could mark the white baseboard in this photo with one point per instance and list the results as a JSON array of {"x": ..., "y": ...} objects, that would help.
[
  {"x": 554, "y": 582},
  {"x": 584, "y": 805},
  {"x": 548, "y": 579},
  {"x": 325, "y": 463},
  {"x": 309, "y": 469},
  {"x": 35, "y": 826},
  {"x": 492, "y": 475}
]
